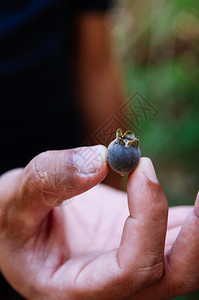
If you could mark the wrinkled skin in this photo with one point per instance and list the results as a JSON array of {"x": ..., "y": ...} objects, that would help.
[{"x": 103, "y": 245}]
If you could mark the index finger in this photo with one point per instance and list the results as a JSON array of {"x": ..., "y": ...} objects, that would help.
[{"x": 143, "y": 240}]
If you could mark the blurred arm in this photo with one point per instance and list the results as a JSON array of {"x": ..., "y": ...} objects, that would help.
[{"x": 99, "y": 84}]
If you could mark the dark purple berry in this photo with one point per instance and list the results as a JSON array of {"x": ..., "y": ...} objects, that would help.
[{"x": 123, "y": 153}]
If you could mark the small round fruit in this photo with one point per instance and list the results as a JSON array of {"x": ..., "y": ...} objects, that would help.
[{"x": 123, "y": 153}]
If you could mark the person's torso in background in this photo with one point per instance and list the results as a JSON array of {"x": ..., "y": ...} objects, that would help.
[{"x": 37, "y": 107}]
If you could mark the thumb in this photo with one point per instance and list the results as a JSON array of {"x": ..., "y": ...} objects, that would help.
[
  {"x": 55, "y": 176},
  {"x": 52, "y": 177}
]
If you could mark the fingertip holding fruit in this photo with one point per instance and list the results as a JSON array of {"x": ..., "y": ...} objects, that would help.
[{"x": 123, "y": 153}]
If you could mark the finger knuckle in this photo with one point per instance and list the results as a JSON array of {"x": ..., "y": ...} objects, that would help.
[
  {"x": 151, "y": 274},
  {"x": 38, "y": 174},
  {"x": 46, "y": 178},
  {"x": 141, "y": 278}
]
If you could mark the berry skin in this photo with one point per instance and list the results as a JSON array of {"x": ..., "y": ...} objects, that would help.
[{"x": 123, "y": 153}]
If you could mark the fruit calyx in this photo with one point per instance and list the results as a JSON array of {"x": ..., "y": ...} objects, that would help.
[{"x": 128, "y": 138}]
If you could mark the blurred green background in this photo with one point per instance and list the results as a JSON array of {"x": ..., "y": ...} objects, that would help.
[{"x": 158, "y": 44}]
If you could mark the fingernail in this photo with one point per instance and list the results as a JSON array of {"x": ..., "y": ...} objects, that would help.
[
  {"x": 89, "y": 160},
  {"x": 149, "y": 171}
]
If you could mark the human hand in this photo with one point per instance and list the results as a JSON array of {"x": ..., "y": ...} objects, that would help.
[
  {"x": 49, "y": 252},
  {"x": 74, "y": 252}
]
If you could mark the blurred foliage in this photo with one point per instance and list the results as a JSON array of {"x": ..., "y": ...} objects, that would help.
[{"x": 158, "y": 42}]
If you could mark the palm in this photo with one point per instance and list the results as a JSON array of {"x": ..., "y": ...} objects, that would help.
[
  {"x": 95, "y": 223},
  {"x": 73, "y": 235},
  {"x": 80, "y": 234}
]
